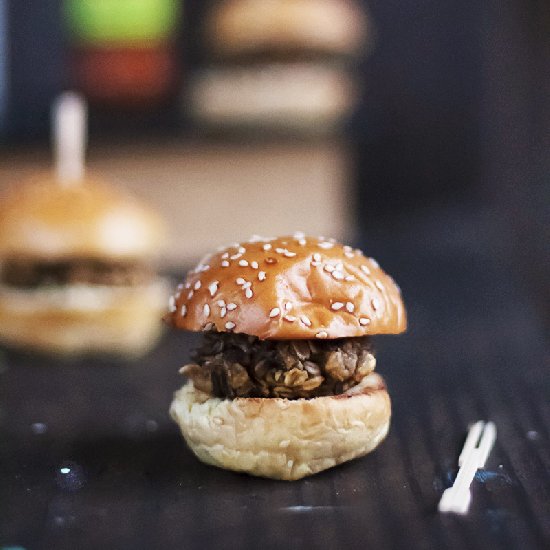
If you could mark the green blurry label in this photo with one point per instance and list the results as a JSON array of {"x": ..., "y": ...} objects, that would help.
[{"x": 121, "y": 21}]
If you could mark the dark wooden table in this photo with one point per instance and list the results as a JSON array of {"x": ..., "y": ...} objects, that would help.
[{"x": 476, "y": 349}]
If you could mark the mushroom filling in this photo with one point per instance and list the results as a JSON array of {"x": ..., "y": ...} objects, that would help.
[
  {"x": 26, "y": 273},
  {"x": 237, "y": 365}
]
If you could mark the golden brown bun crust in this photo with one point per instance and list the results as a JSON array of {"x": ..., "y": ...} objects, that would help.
[
  {"x": 328, "y": 26},
  {"x": 281, "y": 438},
  {"x": 119, "y": 320},
  {"x": 300, "y": 287},
  {"x": 42, "y": 219}
]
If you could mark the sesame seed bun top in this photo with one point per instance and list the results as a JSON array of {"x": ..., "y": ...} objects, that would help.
[
  {"x": 293, "y": 287},
  {"x": 42, "y": 219}
]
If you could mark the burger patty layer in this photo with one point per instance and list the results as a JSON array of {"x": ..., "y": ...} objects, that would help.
[
  {"x": 237, "y": 365},
  {"x": 26, "y": 273}
]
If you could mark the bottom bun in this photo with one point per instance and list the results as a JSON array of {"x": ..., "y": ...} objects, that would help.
[
  {"x": 280, "y": 438},
  {"x": 78, "y": 319},
  {"x": 308, "y": 97}
]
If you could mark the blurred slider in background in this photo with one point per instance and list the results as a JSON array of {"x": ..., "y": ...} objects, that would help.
[
  {"x": 77, "y": 256},
  {"x": 123, "y": 52},
  {"x": 279, "y": 65}
]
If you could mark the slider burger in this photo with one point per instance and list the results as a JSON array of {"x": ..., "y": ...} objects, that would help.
[
  {"x": 282, "y": 64},
  {"x": 76, "y": 269},
  {"x": 283, "y": 383}
]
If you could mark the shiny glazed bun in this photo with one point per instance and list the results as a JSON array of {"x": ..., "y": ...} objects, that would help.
[
  {"x": 293, "y": 287},
  {"x": 238, "y": 27},
  {"x": 280, "y": 438},
  {"x": 42, "y": 219}
]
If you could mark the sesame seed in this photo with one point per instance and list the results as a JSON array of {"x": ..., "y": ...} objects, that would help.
[
  {"x": 197, "y": 285},
  {"x": 299, "y": 235},
  {"x": 213, "y": 288},
  {"x": 338, "y": 275},
  {"x": 248, "y": 293},
  {"x": 350, "y": 307},
  {"x": 379, "y": 285},
  {"x": 302, "y": 242},
  {"x": 325, "y": 244},
  {"x": 243, "y": 263},
  {"x": 231, "y": 306},
  {"x": 225, "y": 255},
  {"x": 208, "y": 326},
  {"x": 183, "y": 310},
  {"x": 288, "y": 306},
  {"x": 280, "y": 250},
  {"x": 365, "y": 270},
  {"x": 375, "y": 304},
  {"x": 235, "y": 256},
  {"x": 180, "y": 286},
  {"x": 340, "y": 266},
  {"x": 172, "y": 304},
  {"x": 321, "y": 334},
  {"x": 317, "y": 257},
  {"x": 246, "y": 285},
  {"x": 225, "y": 263},
  {"x": 349, "y": 278},
  {"x": 254, "y": 265},
  {"x": 223, "y": 312},
  {"x": 190, "y": 295},
  {"x": 261, "y": 276},
  {"x": 374, "y": 263},
  {"x": 336, "y": 306},
  {"x": 206, "y": 310},
  {"x": 204, "y": 268},
  {"x": 347, "y": 248},
  {"x": 271, "y": 260},
  {"x": 274, "y": 312},
  {"x": 229, "y": 325},
  {"x": 364, "y": 321},
  {"x": 242, "y": 249},
  {"x": 328, "y": 268},
  {"x": 289, "y": 318},
  {"x": 188, "y": 285},
  {"x": 349, "y": 254},
  {"x": 221, "y": 303},
  {"x": 305, "y": 320},
  {"x": 240, "y": 281},
  {"x": 289, "y": 254},
  {"x": 267, "y": 246}
]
